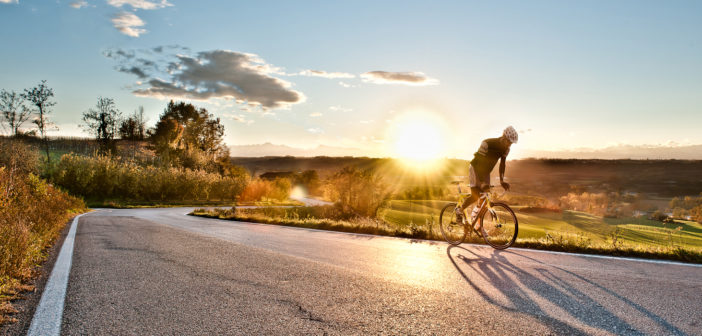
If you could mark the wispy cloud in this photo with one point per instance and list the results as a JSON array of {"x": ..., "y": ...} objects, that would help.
[
  {"x": 238, "y": 117},
  {"x": 325, "y": 74},
  {"x": 316, "y": 114},
  {"x": 347, "y": 85},
  {"x": 9, "y": 1},
  {"x": 140, "y": 4},
  {"x": 315, "y": 130},
  {"x": 404, "y": 78},
  {"x": 79, "y": 4},
  {"x": 338, "y": 108},
  {"x": 244, "y": 77},
  {"x": 128, "y": 24}
]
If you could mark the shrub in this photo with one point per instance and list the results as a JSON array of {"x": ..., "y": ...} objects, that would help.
[
  {"x": 18, "y": 157},
  {"x": 359, "y": 191},
  {"x": 104, "y": 178},
  {"x": 32, "y": 213},
  {"x": 259, "y": 189}
]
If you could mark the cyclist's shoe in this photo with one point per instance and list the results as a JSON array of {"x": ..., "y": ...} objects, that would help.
[{"x": 459, "y": 216}]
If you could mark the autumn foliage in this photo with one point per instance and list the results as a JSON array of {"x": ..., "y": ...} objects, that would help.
[{"x": 32, "y": 214}]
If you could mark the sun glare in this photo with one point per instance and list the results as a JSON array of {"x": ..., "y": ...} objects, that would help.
[{"x": 418, "y": 137}]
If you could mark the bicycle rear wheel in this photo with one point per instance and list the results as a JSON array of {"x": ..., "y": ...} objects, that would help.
[
  {"x": 454, "y": 232},
  {"x": 499, "y": 226}
]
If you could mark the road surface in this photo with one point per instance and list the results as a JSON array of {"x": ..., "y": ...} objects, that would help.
[{"x": 160, "y": 272}]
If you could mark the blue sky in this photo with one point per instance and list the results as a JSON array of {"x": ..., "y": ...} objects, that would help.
[{"x": 566, "y": 74}]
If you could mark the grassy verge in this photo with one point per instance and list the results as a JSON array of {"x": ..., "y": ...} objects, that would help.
[
  {"x": 577, "y": 233},
  {"x": 32, "y": 215}
]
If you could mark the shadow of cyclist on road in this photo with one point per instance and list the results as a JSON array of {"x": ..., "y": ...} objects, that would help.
[{"x": 548, "y": 293}]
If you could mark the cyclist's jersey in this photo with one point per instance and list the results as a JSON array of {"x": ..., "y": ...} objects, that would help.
[{"x": 487, "y": 155}]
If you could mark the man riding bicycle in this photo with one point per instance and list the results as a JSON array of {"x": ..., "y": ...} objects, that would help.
[{"x": 483, "y": 162}]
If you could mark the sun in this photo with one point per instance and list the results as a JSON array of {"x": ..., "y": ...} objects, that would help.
[{"x": 418, "y": 137}]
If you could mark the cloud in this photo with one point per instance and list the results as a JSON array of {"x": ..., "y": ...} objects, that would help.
[
  {"x": 79, "y": 4},
  {"x": 140, "y": 4},
  {"x": 127, "y": 23},
  {"x": 9, "y": 1},
  {"x": 225, "y": 74},
  {"x": 405, "y": 78},
  {"x": 338, "y": 108},
  {"x": 324, "y": 74},
  {"x": 315, "y": 130},
  {"x": 347, "y": 85},
  {"x": 316, "y": 114},
  {"x": 134, "y": 71},
  {"x": 238, "y": 117}
]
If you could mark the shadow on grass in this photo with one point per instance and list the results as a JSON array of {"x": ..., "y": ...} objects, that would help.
[{"x": 522, "y": 290}]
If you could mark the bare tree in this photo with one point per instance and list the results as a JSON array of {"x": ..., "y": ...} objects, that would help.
[
  {"x": 14, "y": 112},
  {"x": 102, "y": 122},
  {"x": 40, "y": 96}
]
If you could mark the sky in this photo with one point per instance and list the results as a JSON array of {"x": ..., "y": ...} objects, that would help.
[{"x": 370, "y": 74}]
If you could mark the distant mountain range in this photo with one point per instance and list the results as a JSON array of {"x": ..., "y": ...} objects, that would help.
[
  {"x": 636, "y": 152},
  {"x": 269, "y": 149}
]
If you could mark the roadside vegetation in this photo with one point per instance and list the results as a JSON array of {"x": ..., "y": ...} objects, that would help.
[
  {"x": 32, "y": 215},
  {"x": 108, "y": 179}
]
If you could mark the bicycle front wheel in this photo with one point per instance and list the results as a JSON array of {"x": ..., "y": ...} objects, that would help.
[
  {"x": 454, "y": 232},
  {"x": 499, "y": 226}
]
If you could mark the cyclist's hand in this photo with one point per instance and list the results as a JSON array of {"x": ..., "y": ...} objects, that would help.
[{"x": 505, "y": 185}]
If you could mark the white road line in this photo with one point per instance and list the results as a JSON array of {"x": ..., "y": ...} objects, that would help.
[{"x": 47, "y": 317}]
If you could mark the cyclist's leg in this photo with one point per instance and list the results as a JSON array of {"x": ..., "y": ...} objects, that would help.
[{"x": 474, "y": 182}]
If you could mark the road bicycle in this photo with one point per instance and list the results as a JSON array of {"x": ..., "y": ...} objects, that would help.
[{"x": 497, "y": 223}]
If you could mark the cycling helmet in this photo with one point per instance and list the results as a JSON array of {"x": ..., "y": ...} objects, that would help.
[{"x": 511, "y": 134}]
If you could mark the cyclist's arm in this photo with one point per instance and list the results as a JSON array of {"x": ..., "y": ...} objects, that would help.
[{"x": 502, "y": 168}]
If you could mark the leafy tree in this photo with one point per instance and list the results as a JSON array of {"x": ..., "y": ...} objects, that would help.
[
  {"x": 40, "y": 96},
  {"x": 133, "y": 127},
  {"x": 188, "y": 136},
  {"x": 102, "y": 122},
  {"x": 14, "y": 112}
]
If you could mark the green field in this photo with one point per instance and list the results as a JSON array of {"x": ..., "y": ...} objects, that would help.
[{"x": 568, "y": 226}]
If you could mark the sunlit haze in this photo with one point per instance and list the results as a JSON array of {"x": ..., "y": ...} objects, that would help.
[{"x": 569, "y": 76}]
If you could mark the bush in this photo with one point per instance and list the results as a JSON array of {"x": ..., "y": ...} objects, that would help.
[
  {"x": 102, "y": 178},
  {"x": 359, "y": 191},
  {"x": 32, "y": 213},
  {"x": 18, "y": 157},
  {"x": 257, "y": 190}
]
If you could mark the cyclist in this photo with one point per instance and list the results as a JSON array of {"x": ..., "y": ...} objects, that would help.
[{"x": 482, "y": 164}]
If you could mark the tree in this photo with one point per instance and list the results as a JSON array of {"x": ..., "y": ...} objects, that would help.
[
  {"x": 14, "y": 112},
  {"x": 102, "y": 122},
  {"x": 133, "y": 127},
  {"x": 188, "y": 136},
  {"x": 40, "y": 96}
]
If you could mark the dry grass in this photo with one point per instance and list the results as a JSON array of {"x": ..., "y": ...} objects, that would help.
[{"x": 32, "y": 215}]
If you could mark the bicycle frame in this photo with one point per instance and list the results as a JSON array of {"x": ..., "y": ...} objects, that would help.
[{"x": 484, "y": 204}]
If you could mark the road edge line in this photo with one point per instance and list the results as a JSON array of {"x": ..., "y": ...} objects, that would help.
[{"x": 48, "y": 315}]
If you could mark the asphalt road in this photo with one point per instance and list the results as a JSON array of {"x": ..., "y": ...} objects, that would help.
[{"x": 159, "y": 272}]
